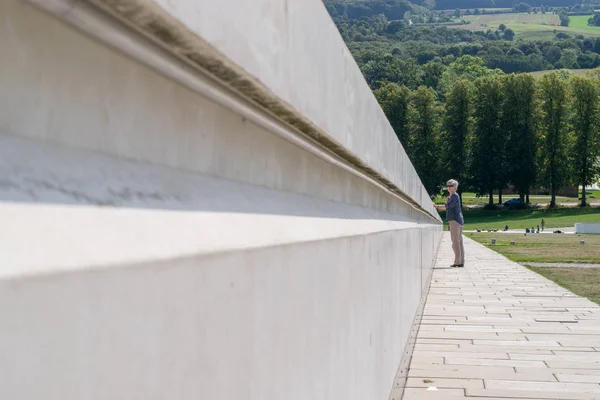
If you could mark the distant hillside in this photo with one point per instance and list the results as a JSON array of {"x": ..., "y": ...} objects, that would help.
[
  {"x": 451, "y": 4},
  {"x": 356, "y": 9},
  {"x": 395, "y": 9}
]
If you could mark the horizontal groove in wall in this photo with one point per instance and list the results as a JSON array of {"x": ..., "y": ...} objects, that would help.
[{"x": 180, "y": 49}]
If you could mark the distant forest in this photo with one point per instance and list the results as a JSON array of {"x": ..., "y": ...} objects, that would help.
[
  {"x": 395, "y": 9},
  {"x": 452, "y": 4},
  {"x": 462, "y": 104}
]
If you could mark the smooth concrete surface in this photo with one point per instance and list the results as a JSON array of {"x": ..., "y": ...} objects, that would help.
[
  {"x": 145, "y": 282},
  {"x": 283, "y": 42},
  {"x": 333, "y": 105},
  {"x": 496, "y": 330},
  {"x": 317, "y": 320},
  {"x": 142, "y": 212},
  {"x": 126, "y": 109},
  {"x": 157, "y": 244},
  {"x": 587, "y": 228}
]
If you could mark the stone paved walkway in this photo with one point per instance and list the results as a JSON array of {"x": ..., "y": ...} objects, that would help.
[{"x": 495, "y": 330}]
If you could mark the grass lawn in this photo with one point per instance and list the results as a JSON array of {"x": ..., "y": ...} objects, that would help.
[
  {"x": 530, "y": 26},
  {"x": 521, "y": 219},
  {"x": 591, "y": 194},
  {"x": 511, "y": 20},
  {"x": 558, "y": 248},
  {"x": 542, "y": 248},
  {"x": 581, "y": 281},
  {"x": 470, "y": 199},
  {"x": 581, "y": 22}
]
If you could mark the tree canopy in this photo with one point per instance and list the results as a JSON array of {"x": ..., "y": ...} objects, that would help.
[{"x": 461, "y": 105}]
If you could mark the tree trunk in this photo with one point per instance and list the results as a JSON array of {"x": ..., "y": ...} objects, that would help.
[
  {"x": 522, "y": 198},
  {"x": 499, "y": 196},
  {"x": 527, "y": 198},
  {"x": 460, "y": 197},
  {"x": 583, "y": 202},
  {"x": 553, "y": 198},
  {"x": 491, "y": 198}
]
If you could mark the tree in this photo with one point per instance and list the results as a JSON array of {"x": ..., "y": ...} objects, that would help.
[
  {"x": 522, "y": 8},
  {"x": 429, "y": 4},
  {"x": 465, "y": 67},
  {"x": 555, "y": 130},
  {"x": 568, "y": 59},
  {"x": 585, "y": 119},
  {"x": 594, "y": 20},
  {"x": 488, "y": 147},
  {"x": 519, "y": 125},
  {"x": 394, "y": 101},
  {"x": 424, "y": 128},
  {"x": 509, "y": 34},
  {"x": 502, "y": 27},
  {"x": 552, "y": 53},
  {"x": 457, "y": 13},
  {"x": 424, "y": 56},
  {"x": 432, "y": 73},
  {"x": 594, "y": 75},
  {"x": 476, "y": 12},
  {"x": 395, "y": 27},
  {"x": 457, "y": 131},
  {"x": 564, "y": 18},
  {"x": 391, "y": 69}
]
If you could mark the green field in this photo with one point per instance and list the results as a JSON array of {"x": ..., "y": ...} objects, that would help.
[
  {"x": 581, "y": 281},
  {"x": 557, "y": 248},
  {"x": 553, "y": 249},
  {"x": 521, "y": 219},
  {"x": 512, "y": 21},
  {"x": 531, "y": 26},
  {"x": 591, "y": 193},
  {"x": 580, "y": 72},
  {"x": 470, "y": 199},
  {"x": 581, "y": 22}
]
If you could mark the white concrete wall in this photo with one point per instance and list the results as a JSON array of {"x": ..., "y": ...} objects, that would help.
[
  {"x": 282, "y": 43},
  {"x": 587, "y": 228},
  {"x": 156, "y": 244}
]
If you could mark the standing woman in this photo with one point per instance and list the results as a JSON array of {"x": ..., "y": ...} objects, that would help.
[{"x": 455, "y": 220}]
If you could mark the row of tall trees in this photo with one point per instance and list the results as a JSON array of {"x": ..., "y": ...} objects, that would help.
[{"x": 501, "y": 130}]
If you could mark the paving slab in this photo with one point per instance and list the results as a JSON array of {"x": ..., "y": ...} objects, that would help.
[
  {"x": 445, "y": 383},
  {"x": 483, "y": 372},
  {"x": 433, "y": 393},
  {"x": 496, "y": 330},
  {"x": 512, "y": 394}
]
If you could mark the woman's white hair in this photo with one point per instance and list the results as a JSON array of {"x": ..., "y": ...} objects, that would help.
[{"x": 452, "y": 182}]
